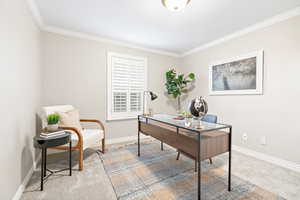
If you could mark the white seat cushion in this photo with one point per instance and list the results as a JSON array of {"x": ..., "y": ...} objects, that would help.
[{"x": 91, "y": 138}]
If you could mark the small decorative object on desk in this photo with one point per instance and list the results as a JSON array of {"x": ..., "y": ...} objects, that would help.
[
  {"x": 196, "y": 123},
  {"x": 52, "y": 120},
  {"x": 198, "y": 107},
  {"x": 178, "y": 118},
  {"x": 187, "y": 119}
]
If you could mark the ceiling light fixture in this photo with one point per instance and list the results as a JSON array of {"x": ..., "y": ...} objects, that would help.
[{"x": 175, "y": 5}]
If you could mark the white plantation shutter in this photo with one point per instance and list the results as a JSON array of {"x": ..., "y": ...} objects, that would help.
[{"x": 126, "y": 84}]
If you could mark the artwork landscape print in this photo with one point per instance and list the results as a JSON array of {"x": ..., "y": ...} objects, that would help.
[{"x": 241, "y": 75}]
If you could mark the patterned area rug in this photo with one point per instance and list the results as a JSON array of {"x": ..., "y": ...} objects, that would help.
[{"x": 157, "y": 175}]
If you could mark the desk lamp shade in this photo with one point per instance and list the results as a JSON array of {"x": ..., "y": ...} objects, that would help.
[{"x": 153, "y": 96}]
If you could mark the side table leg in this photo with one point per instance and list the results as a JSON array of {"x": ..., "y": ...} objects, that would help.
[
  {"x": 42, "y": 170},
  {"x": 45, "y": 162},
  {"x": 139, "y": 128},
  {"x": 70, "y": 157}
]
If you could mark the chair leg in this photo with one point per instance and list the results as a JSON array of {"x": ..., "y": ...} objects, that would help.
[
  {"x": 80, "y": 159},
  {"x": 178, "y": 154},
  {"x": 210, "y": 161},
  {"x": 103, "y": 145}
]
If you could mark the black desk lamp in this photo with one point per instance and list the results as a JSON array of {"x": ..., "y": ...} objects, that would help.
[{"x": 153, "y": 97}]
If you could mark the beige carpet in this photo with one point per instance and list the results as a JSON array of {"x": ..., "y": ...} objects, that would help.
[
  {"x": 94, "y": 183},
  {"x": 91, "y": 183},
  {"x": 157, "y": 175}
]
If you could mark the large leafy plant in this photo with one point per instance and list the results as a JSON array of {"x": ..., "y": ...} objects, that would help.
[{"x": 177, "y": 85}]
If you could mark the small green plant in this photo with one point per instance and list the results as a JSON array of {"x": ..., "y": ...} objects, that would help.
[
  {"x": 186, "y": 114},
  {"x": 53, "y": 118}
]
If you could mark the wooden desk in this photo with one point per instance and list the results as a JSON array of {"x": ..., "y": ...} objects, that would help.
[{"x": 199, "y": 144}]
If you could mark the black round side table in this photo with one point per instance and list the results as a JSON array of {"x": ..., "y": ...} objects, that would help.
[{"x": 44, "y": 143}]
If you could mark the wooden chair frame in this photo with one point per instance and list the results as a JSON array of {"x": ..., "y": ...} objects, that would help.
[{"x": 79, "y": 145}]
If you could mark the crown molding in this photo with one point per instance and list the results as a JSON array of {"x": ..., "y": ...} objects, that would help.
[
  {"x": 61, "y": 31},
  {"x": 52, "y": 29},
  {"x": 35, "y": 13},
  {"x": 271, "y": 21}
]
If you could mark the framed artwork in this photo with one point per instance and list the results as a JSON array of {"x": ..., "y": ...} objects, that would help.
[{"x": 240, "y": 75}]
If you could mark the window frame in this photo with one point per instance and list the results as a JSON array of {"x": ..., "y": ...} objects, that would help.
[{"x": 110, "y": 115}]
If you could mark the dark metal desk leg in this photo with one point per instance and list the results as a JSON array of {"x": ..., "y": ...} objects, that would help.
[
  {"x": 199, "y": 166},
  {"x": 45, "y": 162},
  {"x": 229, "y": 164},
  {"x": 161, "y": 145},
  {"x": 139, "y": 126},
  {"x": 42, "y": 170},
  {"x": 70, "y": 157}
]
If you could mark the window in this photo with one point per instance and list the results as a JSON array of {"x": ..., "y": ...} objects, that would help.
[{"x": 126, "y": 82}]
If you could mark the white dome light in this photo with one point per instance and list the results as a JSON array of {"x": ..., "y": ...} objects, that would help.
[{"x": 175, "y": 5}]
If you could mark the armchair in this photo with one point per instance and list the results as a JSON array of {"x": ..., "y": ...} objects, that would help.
[{"x": 81, "y": 139}]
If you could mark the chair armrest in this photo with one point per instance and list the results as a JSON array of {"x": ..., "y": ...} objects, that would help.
[
  {"x": 95, "y": 121},
  {"x": 75, "y": 130}
]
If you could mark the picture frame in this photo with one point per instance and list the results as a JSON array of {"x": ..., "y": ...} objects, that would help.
[{"x": 241, "y": 75}]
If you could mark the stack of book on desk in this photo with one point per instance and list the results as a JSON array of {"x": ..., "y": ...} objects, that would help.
[{"x": 52, "y": 134}]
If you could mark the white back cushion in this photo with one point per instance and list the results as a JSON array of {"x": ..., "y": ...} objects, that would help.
[
  {"x": 47, "y": 110},
  {"x": 53, "y": 109}
]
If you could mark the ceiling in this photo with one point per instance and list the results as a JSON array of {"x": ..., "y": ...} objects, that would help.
[{"x": 148, "y": 24}]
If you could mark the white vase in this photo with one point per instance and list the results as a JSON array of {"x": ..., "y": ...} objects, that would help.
[{"x": 52, "y": 127}]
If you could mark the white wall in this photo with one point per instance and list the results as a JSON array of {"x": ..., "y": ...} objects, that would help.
[
  {"x": 74, "y": 72},
  {"x": 275, "y": 114},
  {"x": 20, "y": 93}
]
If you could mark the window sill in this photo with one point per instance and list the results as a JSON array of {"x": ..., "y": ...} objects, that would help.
[{"x": 109, "y": 119}]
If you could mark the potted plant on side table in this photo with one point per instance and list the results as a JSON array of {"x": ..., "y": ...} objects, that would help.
[{"x": 52, "y": 121}]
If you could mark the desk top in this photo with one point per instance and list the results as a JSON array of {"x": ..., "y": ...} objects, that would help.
[{"x": 168, "y": 119}]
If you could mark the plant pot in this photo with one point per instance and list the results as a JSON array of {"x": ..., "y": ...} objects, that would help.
[{"x": 52, "y": 127}]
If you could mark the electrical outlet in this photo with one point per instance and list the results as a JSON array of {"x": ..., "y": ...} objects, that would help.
[
  {"x": 263, "y": 140},
  {"x": 245, "y": 137}
]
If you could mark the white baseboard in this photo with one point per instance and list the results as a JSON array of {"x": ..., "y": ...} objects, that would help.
[
  {"x": 125, "y": 139},
  {"x": 271, "y": 159},
  {"x": 24, "y": 183}
]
